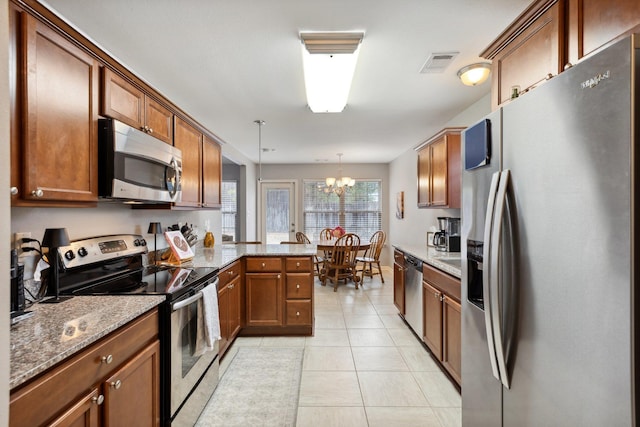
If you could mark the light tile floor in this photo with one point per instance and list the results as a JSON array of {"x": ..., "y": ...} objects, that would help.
[{"x": 363, "y": 366}]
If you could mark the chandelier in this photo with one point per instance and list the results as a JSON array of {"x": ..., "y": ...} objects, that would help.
[{"x": 338, "y": 185}]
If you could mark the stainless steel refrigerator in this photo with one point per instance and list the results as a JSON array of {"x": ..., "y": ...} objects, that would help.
[{"x": 549, "y": 280}]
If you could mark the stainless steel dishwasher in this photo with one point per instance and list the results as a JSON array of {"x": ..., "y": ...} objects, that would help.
[{"x": 413, "y": 294}]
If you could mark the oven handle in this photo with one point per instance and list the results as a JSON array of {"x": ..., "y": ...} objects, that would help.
[{"x": 185, "y": 302}]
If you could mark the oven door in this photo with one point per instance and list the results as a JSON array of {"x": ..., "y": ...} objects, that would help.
[{"x": 186, "y": 368}]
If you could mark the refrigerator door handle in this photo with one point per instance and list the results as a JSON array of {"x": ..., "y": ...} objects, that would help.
[
  {"x": 496, "y": 282},
  {"x": 486, "y": 273}
]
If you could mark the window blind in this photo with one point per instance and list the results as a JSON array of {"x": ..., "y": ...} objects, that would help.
[
  {"x": 229, "y": 210},
  {"x": 358, "y": 211}
]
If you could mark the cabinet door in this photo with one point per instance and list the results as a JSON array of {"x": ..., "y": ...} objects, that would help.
[
  {"x": 424, "y": 176},
  {"x": 438, "y": 169},
  {"x": 398, "y": 287},
  {"x": 132, "y": 394},
  {"x": 235, "y": 301},
  {"x": 223, "y": 314},
  {"x": 264, "y": 299},
  {"x": 121, "y": 100},
  {"x": 189, "y": 141},
  {"x": 84, "y": 413},
  {"x": 432, "y": 304},
  {"x": 594, "y": 23},
  {"x": 211, "y": 174},
  {"x": 158, "y": 120},
  {"x": 452, "y": 340},
  {"x": 60, "y": 122}
]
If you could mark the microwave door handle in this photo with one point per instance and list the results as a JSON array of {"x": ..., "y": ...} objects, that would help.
[
  {"x": 173, "y": 178},
  {"x": 486, "y": 272}
]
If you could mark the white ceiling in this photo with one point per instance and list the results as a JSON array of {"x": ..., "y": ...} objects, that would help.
[{"x": 228, "y": 63}]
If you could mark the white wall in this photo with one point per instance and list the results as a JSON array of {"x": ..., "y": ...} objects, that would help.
[
  {"x": 4, "y": 214},
  {"x": 412, "y": 230}
]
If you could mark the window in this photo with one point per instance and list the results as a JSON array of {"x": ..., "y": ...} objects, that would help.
[
  {"x": 358, "y": 211},
  {"x": 229, "y": 211}
]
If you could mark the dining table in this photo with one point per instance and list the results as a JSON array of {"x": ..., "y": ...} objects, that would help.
[{"x": 326, "y": 246}]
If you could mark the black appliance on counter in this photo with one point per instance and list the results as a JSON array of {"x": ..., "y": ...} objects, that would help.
[
  {"x": 18, "y": 303},
  {"x": 113, "y": 265}
]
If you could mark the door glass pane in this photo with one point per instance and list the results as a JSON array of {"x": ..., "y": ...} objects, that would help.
[{"x": 277, "y": 215}]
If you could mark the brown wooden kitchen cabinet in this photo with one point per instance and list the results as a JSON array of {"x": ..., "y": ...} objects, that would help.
[
  {"x": 279, "y": 295},
  {"x": 442, "y": 327},
  {"x": 439, "y": 174},
  {"x": 211, "y": 174},
  {"x": 115, "y": 381},
  {"x": 398, "y": 281},
  {"x": 123, "y": 101},
  {"x": 54, "y": 113},
  {"x": 549, "y": 35},
  {"x": 229, "y": 304},
  {"x": 189, "y": 140}
]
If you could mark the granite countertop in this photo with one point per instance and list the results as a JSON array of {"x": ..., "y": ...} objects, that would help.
[
  {"x": 449, "y": 262},
  {"x": 56, "y": 331},
  {"x": 222, "y": 255}
]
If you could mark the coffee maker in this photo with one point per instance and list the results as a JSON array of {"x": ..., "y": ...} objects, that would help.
[{"x": 448, "y": 238}]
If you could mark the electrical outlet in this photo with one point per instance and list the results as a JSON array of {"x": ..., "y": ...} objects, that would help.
[{"x": 17, "y": 242}]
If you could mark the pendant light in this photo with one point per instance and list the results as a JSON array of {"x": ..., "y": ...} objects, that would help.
[{"x": 260, "y": 123}]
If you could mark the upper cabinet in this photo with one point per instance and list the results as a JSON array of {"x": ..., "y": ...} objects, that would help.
[
  {"x": 439, "y": 175},
  {"x": 551, "y": 34},
  {"x": 54, "y": 125},
  {"x": 122, "y": 101},
  {"x": 211, "y": 173},
  {"x": 189, "y": 140}
]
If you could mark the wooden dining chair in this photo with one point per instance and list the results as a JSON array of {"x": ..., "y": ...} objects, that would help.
[
  {"x": 317, "y": 260},
  {"x": 372, "y": 256},
  {"x": 341, "y": 265},
  {"x": 326, "y": 234}
]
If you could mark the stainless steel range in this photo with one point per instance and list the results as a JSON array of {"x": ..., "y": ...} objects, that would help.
[{"x": 114, "y": 265}]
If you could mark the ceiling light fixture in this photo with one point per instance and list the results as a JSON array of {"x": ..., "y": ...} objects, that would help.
[
  {"x": 329, "y": 61},
  {"x": 259, "y": 123},
  {"x": 474, "y": 74},
  {"x": 338, "y": 185}
]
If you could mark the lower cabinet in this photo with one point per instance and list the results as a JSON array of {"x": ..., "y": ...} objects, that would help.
[
  {"x": 442, "y": 327},
  {"x": 114, "y": 382},
  {"x": 279, "y": 295},
  {"x": 229, "y": 305}
]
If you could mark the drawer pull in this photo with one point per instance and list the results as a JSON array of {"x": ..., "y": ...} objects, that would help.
[
  {"x": 106, "y": 359},
  {"x": 98, "y": 400},
  {"x": 297, "y": 286},
  {"x": 14, "y": 191},
  {"x": 264, "y": 265},
  {"x": 37, "y": 192},
  {"x": 297, "y": 264},
  {"x": 116, "y": 384},
  {"x": 231, "y": 286},
  {"x": 298, "y": 313}
]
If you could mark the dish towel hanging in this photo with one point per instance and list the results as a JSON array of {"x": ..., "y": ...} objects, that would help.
[{"x": 208, "y": 320}]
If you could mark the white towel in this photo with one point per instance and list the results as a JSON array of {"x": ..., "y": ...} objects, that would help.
[{"x": 208, "y": 320}]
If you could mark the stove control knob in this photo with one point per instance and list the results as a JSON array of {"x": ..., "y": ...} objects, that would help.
[
  {"x": 82, "y": 252},
  {"x": 143, "y": 242},
  {"x": 69, "y": 255}
]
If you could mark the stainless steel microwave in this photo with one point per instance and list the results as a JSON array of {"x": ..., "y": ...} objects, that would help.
[{"x": 134, "y": 166}]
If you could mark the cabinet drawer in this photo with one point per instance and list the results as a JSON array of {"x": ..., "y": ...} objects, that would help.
[
  {"x": 299, "y": 264},
  {"x": 229, "y": 273},
  {"x": 398, "y": 258},
  {"x": 448, "y": 284},
  {"x": 79, "y": 373},
  {"x": 263, "y": 264},
  {"x": 298, "y": 312},
  {"x": 299, "y": 285}
]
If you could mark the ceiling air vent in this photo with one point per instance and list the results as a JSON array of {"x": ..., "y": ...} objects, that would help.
[{"x": 437, "y": 62}]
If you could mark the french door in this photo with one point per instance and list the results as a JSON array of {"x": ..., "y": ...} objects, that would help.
[{"x": 277, "y": 211}]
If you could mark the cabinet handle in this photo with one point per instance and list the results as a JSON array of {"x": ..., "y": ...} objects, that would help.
[
  {"x": 229, "y": 273},
  {"x": 264, "y": 265},
  {"x": 14, "y": 191},
  {"x": 278, "y": 276},
  {"x": 116, "y": 384},
  {"x": 297, "y": 286},
  {"x": 568, "y": 65},
  {"x": 106, "y": 359},
  {"x": 298, "y": 313},
  {"x": 98, "y": 400},
  {"x": 297, "y": 264},
  {"x": 231, "y": 286},
  {"x": 37, "y": 192},
  {"x": 549, "y": 76},
  {"x": 150, "y": 130},
  {"x": 441, "y": 297}
]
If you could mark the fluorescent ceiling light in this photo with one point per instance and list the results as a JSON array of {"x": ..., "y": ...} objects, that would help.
[{"x": 329, "y": 61}]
